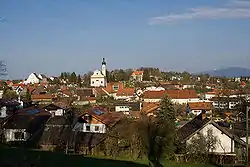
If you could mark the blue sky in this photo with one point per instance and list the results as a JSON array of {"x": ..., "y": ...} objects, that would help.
[{"x": 50, "y": 36}]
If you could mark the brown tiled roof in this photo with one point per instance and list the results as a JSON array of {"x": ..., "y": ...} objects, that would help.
[
  {"x": 149, "y": 107},
  {"x": 173, "y": 94},
  {"x": 125, "y": 92},
  {"x": 42, "y": 96},
  {"x": 200, "y": 105},
  {"x": 108, "y": 118}
]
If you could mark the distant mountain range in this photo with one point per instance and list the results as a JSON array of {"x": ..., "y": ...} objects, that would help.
[{"x": 229, "y": 72}]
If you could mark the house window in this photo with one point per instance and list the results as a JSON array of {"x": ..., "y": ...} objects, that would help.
[
  {"x": 96, "y": 128},
  {"x": 19, "y": 135},
  {"x": 87, "y": 128},
  {"x": 101, "y": 82},
  {"x": 86, "y": 117},
  {"x": 116, "y": 87},
  {"x": 93, "y": 82}
]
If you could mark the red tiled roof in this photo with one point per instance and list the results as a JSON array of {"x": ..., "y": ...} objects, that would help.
[
  {"x": 137, "y": 73},
  {"x": 125, "y": 92},
  {"x": 200, "y": 105},
  {"x": 110, "y": 87},
  {"x": 173, "y": 94}
]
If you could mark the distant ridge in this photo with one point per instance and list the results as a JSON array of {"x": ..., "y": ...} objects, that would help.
[{"x": 229, "y": 72}]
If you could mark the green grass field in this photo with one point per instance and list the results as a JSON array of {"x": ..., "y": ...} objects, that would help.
[{"x": 15, "y": 156}]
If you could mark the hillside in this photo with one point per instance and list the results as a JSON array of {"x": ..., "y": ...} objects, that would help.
[{"x": 229, "y": 72}]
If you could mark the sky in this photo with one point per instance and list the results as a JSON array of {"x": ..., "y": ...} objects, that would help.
[{"x": 51, "y": 36}]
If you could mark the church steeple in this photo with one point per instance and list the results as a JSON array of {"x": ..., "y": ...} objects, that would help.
[
  {"x": 104, "y": 67},
  {"x": 103, "y": 61}
]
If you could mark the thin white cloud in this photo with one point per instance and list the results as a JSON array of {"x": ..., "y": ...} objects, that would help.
[
  {"x": 229, "y": 11},
  {"x": 240, "y": 3}
]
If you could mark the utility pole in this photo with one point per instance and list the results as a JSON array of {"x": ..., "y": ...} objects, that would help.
[{"x": 247, "y": 112}]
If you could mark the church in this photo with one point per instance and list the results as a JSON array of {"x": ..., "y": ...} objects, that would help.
[{"x": 99, "y": 78}]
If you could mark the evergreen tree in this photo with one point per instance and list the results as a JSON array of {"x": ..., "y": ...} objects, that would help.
[
  {"x": 79, "y": 80},
  {"x": 146, "y": 75},
  {"x": 73, "y": 77}
]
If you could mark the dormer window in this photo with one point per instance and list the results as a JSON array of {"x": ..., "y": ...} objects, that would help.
[{"x": 116, "y": 87}]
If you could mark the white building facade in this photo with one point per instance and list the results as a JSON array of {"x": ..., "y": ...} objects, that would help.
[{"x": 99, "y": 79}]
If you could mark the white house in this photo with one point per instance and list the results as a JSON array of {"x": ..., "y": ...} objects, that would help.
[
  {"x": 1, "y": 94},
  {"x": 96, "y": 120},
  {"x": 32, "y": 79},
  {"x": 137, "y": 76},
  {"x": 98, "y": 79},
  {"x": 227, "y": 143},
  {"x": 15, "y": 135},
  {"x": 55, "y": 110}
]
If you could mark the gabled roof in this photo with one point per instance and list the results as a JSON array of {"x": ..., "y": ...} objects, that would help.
[
  {"x": 107, "y": 118},
  {"x": 110, "y": 87},
  {"x": 196, "y": 124},
  {"x": 191, "y": 127}
]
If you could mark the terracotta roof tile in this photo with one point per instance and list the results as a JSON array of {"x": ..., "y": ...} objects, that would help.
[
  {"x": 125, "y": 92},
  {"x": 137, "y": 73},
  {"x": 200, "y": 105},
  {"x": 173, "y": 94},
  {"x": 110, "y": 87},
  {"x": 42, "y": 96},
  {"x": 149, "y": 107}
]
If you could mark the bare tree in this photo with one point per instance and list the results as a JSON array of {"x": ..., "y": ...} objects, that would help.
[
  {"x": 201, "y": 145},
  {"x": 3, "y": 69}
]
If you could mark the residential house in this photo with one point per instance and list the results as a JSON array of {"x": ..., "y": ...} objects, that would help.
[
  {"x": 33, "y": 78},
  {"x": 98, "y": 79},
  {"x": 125, "y": 94},
  {"x": 112, "y": 88},
  {"x": 177, "y": 96},
  {"x": 82, "y": 100},
  {"x": 227, "y": 143},
  {"x": 127, "y": 107},
  {"x": 8, "y": 108},
  {"x": 225, "y": 102},
  {"x": 24, "y": 125},
  {"x": 55, "y": 110},
  {"x": 97, "y": 120},
  {"x": 43, "y": 98},
  {"x": 196, "y": 108},
  {"x": 150, "y": 109},
  {"x": 137, "y": 76}
]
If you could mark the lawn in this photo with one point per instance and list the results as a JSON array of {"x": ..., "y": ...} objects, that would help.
[{"x": 15, "y": 156}]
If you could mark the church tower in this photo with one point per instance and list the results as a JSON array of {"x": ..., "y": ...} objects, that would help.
[{"x": 104, "y": 67}]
